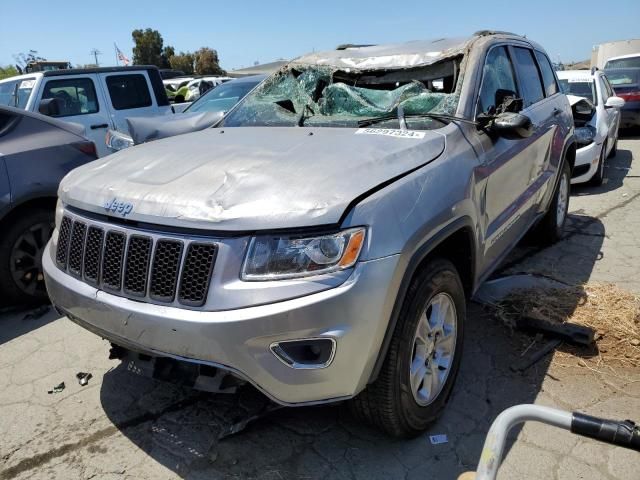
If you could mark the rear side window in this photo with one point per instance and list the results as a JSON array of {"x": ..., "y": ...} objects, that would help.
[
  {"x": 549, "y": 79},
  {"x": 530, "y": 82},
  {"x": 128, "y": 91},
  {"x": 498, "y": 80},
  {"x": 77, "y": 96}
]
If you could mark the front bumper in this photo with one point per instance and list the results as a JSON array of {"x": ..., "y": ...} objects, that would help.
[
  {"x": 586, "y": 157},
  {"x": 354, "y": 314}
]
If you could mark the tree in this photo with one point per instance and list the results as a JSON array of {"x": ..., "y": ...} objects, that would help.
[
  {"x": 148, "y": 47},
  {"x": 183, "y": 61},
  {"x": 9, "y": 71},
  {"x": 207, "y": 62},
  {"x": 23, "y": 59},
  {"x": 167, "y": 53}
]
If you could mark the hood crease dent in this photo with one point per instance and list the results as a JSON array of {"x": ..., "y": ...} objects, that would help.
[{"x": 247, "y": 179}]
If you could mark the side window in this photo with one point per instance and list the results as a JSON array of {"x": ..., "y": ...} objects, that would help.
[
  {"x": 128, "y": 91},
  {"x": 550, "y": 84},
  {"x": 608, "y": 87},
  {"x": 8, "y": 93},
  {"x": 498, "y": 80},
  {"x": 603, "y": 89},
  {"x": 528, "y": 75},
  {"x": 77, "y": 96}
]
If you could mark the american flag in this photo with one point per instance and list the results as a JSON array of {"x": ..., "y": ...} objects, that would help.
[{"x": 121, "y": 56}]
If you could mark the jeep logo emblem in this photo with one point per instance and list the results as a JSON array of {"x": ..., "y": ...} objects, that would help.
[{"x": 116, "y": 206}]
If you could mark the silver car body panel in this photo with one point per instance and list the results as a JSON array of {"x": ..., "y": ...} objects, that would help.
[{"x": 229, "y": 184}]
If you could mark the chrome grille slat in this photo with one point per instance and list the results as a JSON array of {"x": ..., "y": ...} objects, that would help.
[{"x": 136, "y": 264}]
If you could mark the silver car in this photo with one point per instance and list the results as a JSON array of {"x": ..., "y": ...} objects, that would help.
[{"x": 320, "y": 242}]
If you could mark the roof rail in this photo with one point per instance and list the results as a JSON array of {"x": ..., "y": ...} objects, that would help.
[
  {"x": 344, "y": 46},
  {"x": 484, "y": 33}
]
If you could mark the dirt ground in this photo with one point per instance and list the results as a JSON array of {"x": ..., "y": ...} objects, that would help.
[{"x": 122, "y": 426}]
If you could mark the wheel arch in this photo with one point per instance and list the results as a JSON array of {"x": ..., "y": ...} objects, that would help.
[
  {"x": 456, "y": 243},
  {"x": 46, "y": 202}
]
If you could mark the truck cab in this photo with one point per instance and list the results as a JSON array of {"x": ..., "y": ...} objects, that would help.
[{"x": 97, "y": 98}]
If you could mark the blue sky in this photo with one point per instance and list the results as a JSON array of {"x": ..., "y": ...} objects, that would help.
[{"x": 253, "y": 30}]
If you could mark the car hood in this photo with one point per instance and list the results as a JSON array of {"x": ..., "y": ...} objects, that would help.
[{"x": 248, "y": 178}]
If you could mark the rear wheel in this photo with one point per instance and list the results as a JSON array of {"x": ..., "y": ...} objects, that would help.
[
  {"x": 598, "y": 177},
  {"x": 423, "y": 358},
  {"x": 21, "y": 249},
  {"x": 551, "y": 227}
]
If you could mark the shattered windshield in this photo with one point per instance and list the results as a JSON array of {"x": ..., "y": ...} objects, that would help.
[{"x": 315, "y": 95}]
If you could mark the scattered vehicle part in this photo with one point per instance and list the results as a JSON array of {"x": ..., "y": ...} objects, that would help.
[
  {"x": 568, "y": 332},
  {"x": 83, "y": 378},
  {"x": 240, "y": 424},
  {"x": 438, "y": 439},
  {"x": 624, "y": 434},
  {"x": 57, "y": 389},
  {"x": 596, "y": 112},
  {"x": 493, "y": 291},
  {"x": 97, "y": 98},
  {"x": 317, "y": 260},
  {"x": 535, "y": 357},
  {"x": 35, "y": 153}
]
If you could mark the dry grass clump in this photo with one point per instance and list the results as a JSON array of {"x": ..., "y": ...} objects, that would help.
[{"x": 612, "y": 312}]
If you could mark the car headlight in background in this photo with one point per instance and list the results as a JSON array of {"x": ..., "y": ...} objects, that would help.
[
  {"x": 585, "y": 135},
  {"x": 118, "y": 141},
  {"x": 278, "y": 257}
]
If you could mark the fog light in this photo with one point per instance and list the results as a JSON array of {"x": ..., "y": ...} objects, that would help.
[{"x": 308, "y": 353}]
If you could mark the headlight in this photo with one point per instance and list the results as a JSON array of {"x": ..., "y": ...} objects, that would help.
[
  {"x": 117, "y": 140},
  {"x": 279, "y": 257},
  {"x": 585, "y": 135}
]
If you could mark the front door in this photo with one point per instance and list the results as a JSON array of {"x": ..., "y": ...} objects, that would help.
[{"x": 80, "y": 102}]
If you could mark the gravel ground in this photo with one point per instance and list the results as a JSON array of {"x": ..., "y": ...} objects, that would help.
[{"x": 123, "y": 426}]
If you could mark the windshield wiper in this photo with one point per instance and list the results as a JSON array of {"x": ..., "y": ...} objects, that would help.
[{"x": 444, "y": 118}]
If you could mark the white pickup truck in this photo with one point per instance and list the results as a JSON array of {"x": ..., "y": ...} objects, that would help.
[{"x": 97, "y": 98}]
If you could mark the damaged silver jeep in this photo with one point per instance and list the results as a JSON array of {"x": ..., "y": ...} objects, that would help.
[{"x": 320, "y": 241}]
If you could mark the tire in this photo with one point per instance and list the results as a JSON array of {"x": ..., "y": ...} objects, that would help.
[
  {"x": 614, "y": 149},
  {"x": 551, "y": 229},
  {"x": 598, "y": 177},
  {"x": 391, "y": 403},
  {"x": 21, "y": 248}
]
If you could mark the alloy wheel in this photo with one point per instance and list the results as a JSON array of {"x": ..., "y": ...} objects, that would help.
[{"x": 25, "y": 261}]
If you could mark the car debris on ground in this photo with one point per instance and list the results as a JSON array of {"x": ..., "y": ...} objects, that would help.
[{"x": 57, "y": 389}]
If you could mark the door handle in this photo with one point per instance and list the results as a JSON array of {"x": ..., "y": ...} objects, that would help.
[
  {"x": 100, "y": 125},
  {"x": 556, "y": 112}
]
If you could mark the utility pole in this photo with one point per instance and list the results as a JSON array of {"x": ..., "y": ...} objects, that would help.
[{"x": 95, "y": 52}]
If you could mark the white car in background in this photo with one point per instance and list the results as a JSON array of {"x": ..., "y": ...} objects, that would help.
[
  {"x": 208, "y": 83},
  {"x": 596, "y": 129}
]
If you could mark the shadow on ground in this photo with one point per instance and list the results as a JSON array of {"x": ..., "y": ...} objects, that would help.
[
  {"x": 20, "y": 320},
  {"x": 179, "y": 427}
]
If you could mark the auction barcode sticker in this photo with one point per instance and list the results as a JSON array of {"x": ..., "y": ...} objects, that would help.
[{"x": 390, "y": 132}]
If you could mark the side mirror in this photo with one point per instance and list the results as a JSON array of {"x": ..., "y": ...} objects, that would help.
[
  {"x": 514, "y": 125},
  {"x": 614, "y": 102},
  {"x": 49, "y": 107}
]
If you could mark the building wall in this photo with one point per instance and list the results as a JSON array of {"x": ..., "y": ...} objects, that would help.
[{"x": 601, "y": 53}]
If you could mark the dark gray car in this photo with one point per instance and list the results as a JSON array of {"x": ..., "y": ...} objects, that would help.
[
  {"x": 35, "y": 153},
  {"x": 320, "y": 242}
]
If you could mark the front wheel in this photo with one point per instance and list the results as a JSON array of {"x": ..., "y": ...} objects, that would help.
[
  {"x": 21, "y": 249},
  {"x": 551, "y": 227},
  {"x": 598, "y": 176},
  {"x": 423, "y": 358}
]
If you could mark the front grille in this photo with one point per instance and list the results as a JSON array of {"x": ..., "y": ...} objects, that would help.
[{"x": 138, "y": 266}]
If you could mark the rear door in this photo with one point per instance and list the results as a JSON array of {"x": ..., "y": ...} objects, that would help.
[
  {"x": 130, "y": 94},
  {"x": 80, "y": 102}
]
